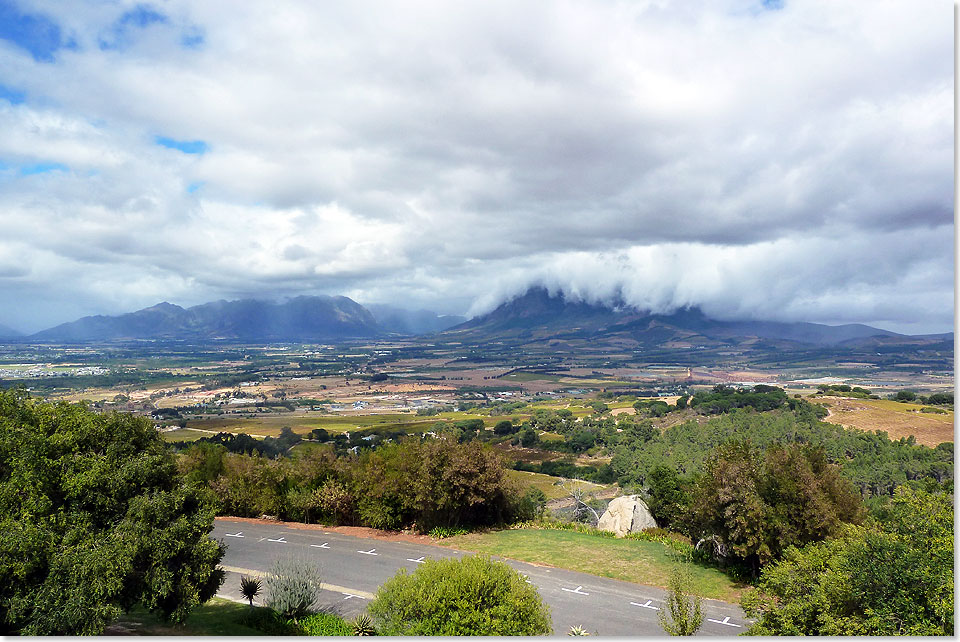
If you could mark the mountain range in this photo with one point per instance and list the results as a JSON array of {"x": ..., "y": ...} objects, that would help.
[
  {"x": 533, "y": 316},
  {"x": 538, "y": 315}
]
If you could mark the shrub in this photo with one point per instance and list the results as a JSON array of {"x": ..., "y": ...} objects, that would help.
[
  {"x": 683, "y": 615},
  {"x": 325, "y": 624},
  {"x": 269, "y": 622},
  {"x": 471, "y": 596},
  {"x": 442, "y": 532},
  {"x": 294, "y": 586}
]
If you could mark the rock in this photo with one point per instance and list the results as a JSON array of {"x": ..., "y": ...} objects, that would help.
[{"x": 628, "y": 514}]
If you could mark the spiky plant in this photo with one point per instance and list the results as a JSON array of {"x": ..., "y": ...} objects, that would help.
[
  {"x": 249, "y": 588},
  {"x": 577, "y": 630},
  {"x": 363, "y": 625}
]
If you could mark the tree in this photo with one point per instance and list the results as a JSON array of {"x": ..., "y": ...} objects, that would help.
[
  {"x": 668, "y": 496},
  {"x": 96, "y": 519},
  {"x": 529, "y": 438},
  {"x": 755, "y": 505},
  {"x": 892, "y": 577},
  {"x": 470, "y": 596},
  {"x": 504, "y": 427},
  {"x": 683, "y": 614}
]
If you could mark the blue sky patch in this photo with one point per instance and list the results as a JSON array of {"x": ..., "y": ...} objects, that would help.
[
  {"x": 12, "y": 96},
  {"x": 185, "y": 146},
  {"x": 773, "y": 5},
  {"x": 119, "y": 35},
  {"x": 42, "y": 168},
  {"x": 35, "y": 33},
  {"x": 193, "y": 187},
  {"x": 192, "y": 38}
]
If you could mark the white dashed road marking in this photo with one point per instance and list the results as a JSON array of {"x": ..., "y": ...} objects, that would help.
[
  {"x": 370, "y": 552},
  {"x": 576, "y": 590},
  {"x": 419, "y": 560},
  {"x": 279, "y": 540},
  {"x": 647, "y": 605},
  {"x": 237, "y": 534},
  {"x": 324, "y": 545},
  {"x": 351, "y": 595},
  {"x": 726, "y": 621}
]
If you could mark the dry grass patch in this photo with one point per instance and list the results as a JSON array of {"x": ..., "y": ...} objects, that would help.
[{"x": 895, "y": 418}]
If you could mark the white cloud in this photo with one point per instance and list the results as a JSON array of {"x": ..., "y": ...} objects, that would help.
[{"x": 795, "y": 163}]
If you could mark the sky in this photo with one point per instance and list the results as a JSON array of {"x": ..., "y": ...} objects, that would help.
[{"x": 786, "y": 161}]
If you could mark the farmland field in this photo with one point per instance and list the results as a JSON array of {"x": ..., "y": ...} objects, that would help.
[{"x": 893, "y": 417}]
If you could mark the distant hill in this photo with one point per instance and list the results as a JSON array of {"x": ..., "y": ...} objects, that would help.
[
  {"x": 393, "y": 319},
  {"x": 304, "y": 318},
  {"x": 536, "y": 315},
  {"x": 6, "y": 332}
]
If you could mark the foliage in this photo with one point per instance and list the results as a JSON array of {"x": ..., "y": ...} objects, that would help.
[
  {"x": 577, "y": 631},
  {"x": 724, "y": 398},
  {"x": 756, "y": 505},
  {"x": 249, "y": 587},
  {"x": 682, "y": 614},
  {"x": 363, "y": 626},
  {"x": 428, "y": 483},
  {"x": 325, "y": 624},
  {"x": 602, "y": 475},
  {"x": 443, "y": 532},
  {"x": 470, "y": 596},
  {"x": 294, "y": 586},
  {"x": 270, "y": 622},
  {"x": 667, "y": 496},
  {"x": 875, "y": 464},
  {"x": 96, "y": 519},
  {"x": 883, "y": 578}
]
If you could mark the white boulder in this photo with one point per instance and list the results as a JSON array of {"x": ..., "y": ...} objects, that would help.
[{"x": 627, "y": 514}]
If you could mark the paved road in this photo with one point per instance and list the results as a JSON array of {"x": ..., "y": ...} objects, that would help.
[{"x": 353, "y": 568}]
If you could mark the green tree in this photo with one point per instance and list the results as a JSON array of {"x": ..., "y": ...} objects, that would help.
[
  {"x": 893, "y": 577},
  {"x": 95, "y": 520},
  {"x": 683, "y": 613},
  {"x": 471, "y": 596},
  {"x": 755, "y": 505}
]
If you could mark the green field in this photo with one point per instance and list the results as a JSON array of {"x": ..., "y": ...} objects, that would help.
[{"x": 630, "y": 560}]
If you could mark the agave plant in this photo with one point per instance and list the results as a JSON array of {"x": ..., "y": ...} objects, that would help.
[
  {"x": 363, "y": 625},
  {"x": 249, "y": 588},
  {"x": 577, "y": 630}
]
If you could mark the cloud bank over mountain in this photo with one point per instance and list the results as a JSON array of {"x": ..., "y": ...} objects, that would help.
[{"x": 791, "y": 161}]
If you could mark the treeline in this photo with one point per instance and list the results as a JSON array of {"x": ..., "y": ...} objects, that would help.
[
  {"x": 874, "y": 463},
  {"x": 412, "y": 483},
  {"x": 724, "y": 399},
  {"x": 599, "y": 474}
]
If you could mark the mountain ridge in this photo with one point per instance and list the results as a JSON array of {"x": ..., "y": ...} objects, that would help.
[{"x": 536, "y": 314}]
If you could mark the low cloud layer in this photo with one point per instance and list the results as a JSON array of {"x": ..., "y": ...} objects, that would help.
[{"x": 790, "y": 163}]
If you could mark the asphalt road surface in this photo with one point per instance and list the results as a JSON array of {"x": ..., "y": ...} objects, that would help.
[{"x": 354, "y": 567}]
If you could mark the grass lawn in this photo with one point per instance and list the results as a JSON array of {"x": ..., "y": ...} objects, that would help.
[
  {"x": 216, "y": 617},
  {"x": 622, "y": 559}
]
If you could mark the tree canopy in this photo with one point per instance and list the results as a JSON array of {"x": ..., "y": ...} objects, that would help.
[
  {"x": 96, "y": 519},
  {"x": 888, "y": 577}
]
